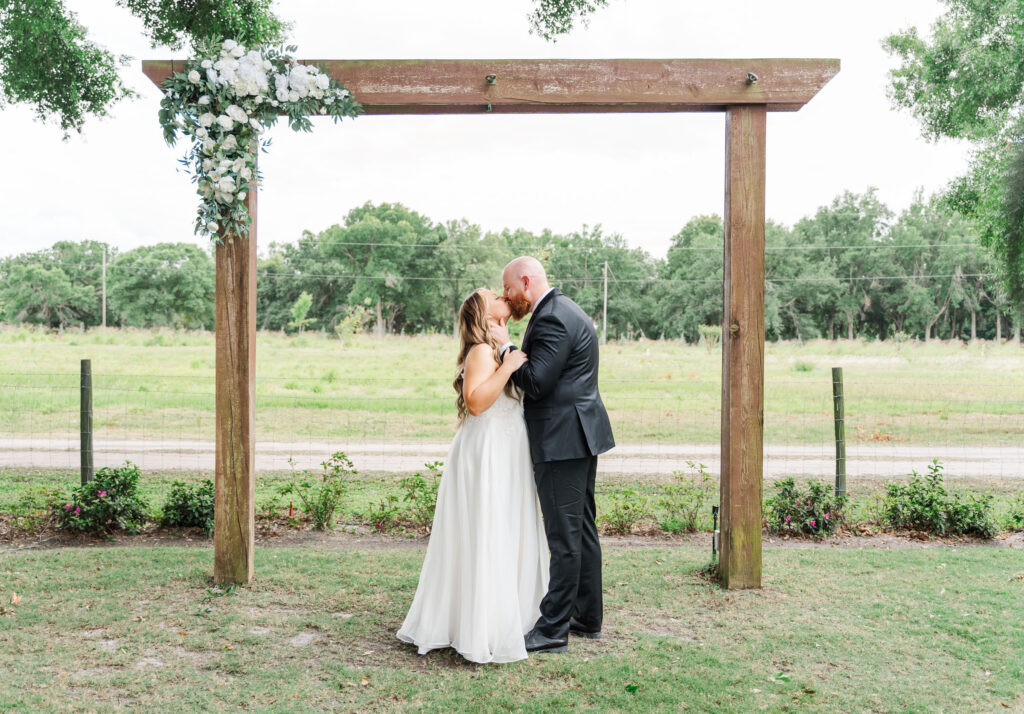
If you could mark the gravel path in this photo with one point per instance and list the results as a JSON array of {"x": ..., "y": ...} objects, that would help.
[{"x": 865, "y": 461}]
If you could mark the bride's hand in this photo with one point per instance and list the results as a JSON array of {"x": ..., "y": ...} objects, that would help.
[{"x": 515, "y": 359}]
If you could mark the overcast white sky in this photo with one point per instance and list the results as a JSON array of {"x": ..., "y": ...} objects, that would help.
[{"x": 639, "y": 175}]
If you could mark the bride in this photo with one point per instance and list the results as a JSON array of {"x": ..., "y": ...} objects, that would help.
[{"x": 486, "y": 567}]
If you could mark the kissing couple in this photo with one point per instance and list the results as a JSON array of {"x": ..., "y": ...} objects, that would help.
[{"x": 531, "y": 424}]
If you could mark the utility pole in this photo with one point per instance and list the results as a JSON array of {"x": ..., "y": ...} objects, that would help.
[
  {"x": 103, "y": 318},
  {"x": 604, "y": 320}
]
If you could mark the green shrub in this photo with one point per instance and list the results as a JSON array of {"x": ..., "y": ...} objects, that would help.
[
  {"x": 386, "y": 516},
  {"x": 627, "y": 509},
  {"x": 190, "y": 505},
  {"x": 685, "y": 499},
  {"x": 815, "y": 511},
  {"x": 109, "y": 502},
  {"x": 322, "y": 497},
  {"x": 421, "y": 496},
  {"x": 923, "y": 504},
  {"x": 1015, "y": 518}
]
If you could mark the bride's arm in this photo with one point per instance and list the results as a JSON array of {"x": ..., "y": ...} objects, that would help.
[{"x": 484, "y": 378}]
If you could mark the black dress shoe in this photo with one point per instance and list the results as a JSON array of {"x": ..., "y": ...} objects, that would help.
[
  {"x": 578, "y": 628},
  {"x": 536, "y": 642}
]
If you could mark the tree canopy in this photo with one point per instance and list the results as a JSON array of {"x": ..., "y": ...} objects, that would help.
[
  {"x": 966, "y": 81},
  {"x": 48, "y": 63}
]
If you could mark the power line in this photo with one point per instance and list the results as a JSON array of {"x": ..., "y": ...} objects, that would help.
[{"x": 588, "y": 279}]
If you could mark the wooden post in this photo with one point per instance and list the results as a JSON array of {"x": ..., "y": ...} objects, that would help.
[
  {"x": 85, "y": 426},
  {"x": 235, "y": 485},
  {"x": 838, "y": 412},
  {"x": 743, "y": 347}
]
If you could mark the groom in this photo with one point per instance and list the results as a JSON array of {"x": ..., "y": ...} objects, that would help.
[{"x": 568, "y": 427}]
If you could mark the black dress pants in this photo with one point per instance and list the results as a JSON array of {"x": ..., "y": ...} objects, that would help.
[{"x": 566, "y": 493}]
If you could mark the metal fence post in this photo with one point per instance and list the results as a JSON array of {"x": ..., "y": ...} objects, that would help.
[
  {"x": 838, "y": 411},
  {"x": 86, "y": 422}
]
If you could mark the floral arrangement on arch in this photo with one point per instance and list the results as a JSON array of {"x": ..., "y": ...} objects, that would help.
[{"x": 224, "y": 101}]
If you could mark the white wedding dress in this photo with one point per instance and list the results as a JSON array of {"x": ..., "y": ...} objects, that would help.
[{"x": 486, "y": 567}]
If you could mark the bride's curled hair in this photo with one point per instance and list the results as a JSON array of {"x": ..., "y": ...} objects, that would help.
[{"x": 474, "y": 330}]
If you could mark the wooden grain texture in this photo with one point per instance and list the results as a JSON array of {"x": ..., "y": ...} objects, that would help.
[
  {"x": 531, "y": 86},
  {"x": 743, "y": 348},
  {"x": 235, "y": 485}
]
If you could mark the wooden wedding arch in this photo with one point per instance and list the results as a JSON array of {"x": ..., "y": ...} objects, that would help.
[{"x": 744, "y": 89}]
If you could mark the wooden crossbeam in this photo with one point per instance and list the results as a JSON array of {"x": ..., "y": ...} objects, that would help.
[{"x": 568, "y": 86}]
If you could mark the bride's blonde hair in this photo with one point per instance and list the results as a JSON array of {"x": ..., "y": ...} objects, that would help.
[{"x": 473, "y": 331}]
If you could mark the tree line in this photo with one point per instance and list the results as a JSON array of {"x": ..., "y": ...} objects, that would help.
[{"x": 853, "y": 269}]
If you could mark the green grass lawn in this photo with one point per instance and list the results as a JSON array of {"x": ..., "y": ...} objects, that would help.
[
  {"x": 143, "y": 628},
  {"x": 153, "y": 384}
]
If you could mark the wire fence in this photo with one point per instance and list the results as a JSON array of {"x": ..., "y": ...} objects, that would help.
[{"x": 167, "y": 423}]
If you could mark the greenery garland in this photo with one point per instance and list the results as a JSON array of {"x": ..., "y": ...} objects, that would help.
[{"x": 224, "y": 101}]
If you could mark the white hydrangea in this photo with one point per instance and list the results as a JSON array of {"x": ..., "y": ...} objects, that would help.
[{"x": 228, "y": 139}]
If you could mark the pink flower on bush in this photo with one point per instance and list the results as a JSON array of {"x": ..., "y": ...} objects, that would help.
[
  {"x": 101, "y": 494},
  {"x": 67, "y": 506},
  {"x": 812, "y": 523},
  {"x": 78, "y": 509},
  {"x": 787, "y": 517},
  {"x": 827, "y": 516},
  {"x": 808, "y": 504}
]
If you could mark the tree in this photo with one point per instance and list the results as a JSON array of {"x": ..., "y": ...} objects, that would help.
[
  {"x": 163, "y": 285},
  {"x": 36, "y": 294},
  {"x": 552, "y": 18},
  {"x": 81, "y": 266},
  {"x": 299, "y": 311},
  {"x": 47, "y": 62},
  {"x": 967, "y": 82},
  {"x": 690, "y": 294}
]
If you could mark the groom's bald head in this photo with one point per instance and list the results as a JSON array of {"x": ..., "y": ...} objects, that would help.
[{"x": 525, "y": 281}]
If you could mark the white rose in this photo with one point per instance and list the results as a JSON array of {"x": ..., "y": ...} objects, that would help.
[
  {"x": 238, "y": 51},
  {"x": 280, "y": 81},
  {"x": 282, "y": 96},
  {"x": 227, "y": 75},
  {"x": 207, "y": 165},
  {"x": 238, "y": 165},
  {"x": 267, "y": 64},
  {"x": 204, "y": 100},
  {"x": 226, "y": 122},
  {"x": 201, "y": 133},
  {"x": 237, "y": 113},
  {"x": 246, "y": 173},
  {"x": 241, "y": 195},
  {"x": 230, "y": 144},
  {"x": 206, "y": 64},
  {"x": 328, "y": 99},
  {"x": 209, "y": 145},
  {"x": 293, "y": 96},
  {"x": 206, "y": 119},
  {"x": 212, "y": 227},
  {"x": 323, "y": 81},
  {"x": 194, "y": 77},
  {"x": 226, "y": 185},
  {"x": 274, "y": 102},
  {"x": 228, "y": 45},
  {"x": 220, "y": 64},
  {"x": 211, "y": 74}
]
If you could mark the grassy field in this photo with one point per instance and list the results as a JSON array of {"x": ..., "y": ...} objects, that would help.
[
  {"x": 153, "y": 384},
  {"x": 106, "y": 629}
]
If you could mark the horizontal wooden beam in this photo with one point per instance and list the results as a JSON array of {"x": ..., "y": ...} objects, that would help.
[{"x": 568, "y": 86}]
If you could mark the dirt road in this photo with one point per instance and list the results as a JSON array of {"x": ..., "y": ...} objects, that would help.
[{"x": 864, "y": 461}]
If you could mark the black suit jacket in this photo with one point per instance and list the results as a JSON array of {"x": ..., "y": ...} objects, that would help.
[{"x": 565, "y": 416}]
